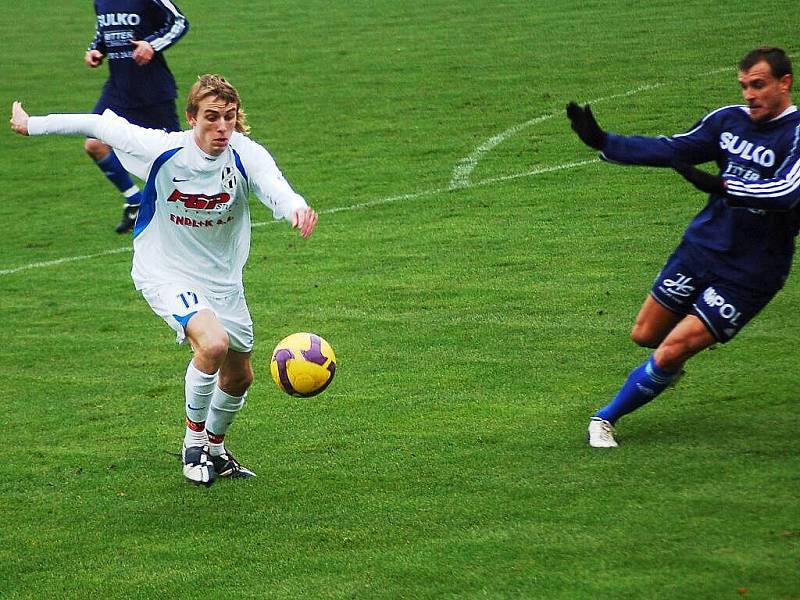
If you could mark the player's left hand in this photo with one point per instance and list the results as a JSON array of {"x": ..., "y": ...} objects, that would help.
[
  {"x": 305, "y": 219},
  {"x": 144, "y": 52},
  {"x": 586, "y": 126},
  {"x": 19, "y": 118},
  {"x": 703, "y": 181}
]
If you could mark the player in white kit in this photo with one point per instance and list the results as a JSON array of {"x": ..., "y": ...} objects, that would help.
[{"x": 191, "y": 241}]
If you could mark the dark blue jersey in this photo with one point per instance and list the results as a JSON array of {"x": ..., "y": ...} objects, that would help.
[
  {"x": 747, "y": 235},
  {"x": 158, "y": 22}
]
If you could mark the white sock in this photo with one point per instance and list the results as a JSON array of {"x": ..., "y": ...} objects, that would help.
[
  {"x": 221, "y": 414},
  {"x": 199, "y": 388}
]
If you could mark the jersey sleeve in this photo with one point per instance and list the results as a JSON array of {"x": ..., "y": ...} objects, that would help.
[
  {"x": 695, "y": 146},
  {"x": 137, "y": 147},
  {"x": 266, "y": 179},
  {"x": 97, "y": 42},
  {"x": 174, "y": 28}
]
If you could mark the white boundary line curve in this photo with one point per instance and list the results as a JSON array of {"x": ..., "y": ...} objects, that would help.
[{"x": 464, "y": 168}]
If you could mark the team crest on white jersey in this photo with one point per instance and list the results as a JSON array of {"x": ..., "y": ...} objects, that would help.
[{"x": 228, "y": 178}]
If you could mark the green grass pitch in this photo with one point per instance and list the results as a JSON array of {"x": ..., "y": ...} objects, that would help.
[{"x": 477, "y": 272}]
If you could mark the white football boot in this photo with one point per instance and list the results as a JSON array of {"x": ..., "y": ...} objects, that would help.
[{"x": 601, "y": 434}]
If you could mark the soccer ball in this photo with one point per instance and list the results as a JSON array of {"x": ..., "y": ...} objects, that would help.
[{"x": 303, "y": 364}]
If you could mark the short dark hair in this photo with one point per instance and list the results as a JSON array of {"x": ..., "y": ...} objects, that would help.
[{"x": 779, "y": 63}]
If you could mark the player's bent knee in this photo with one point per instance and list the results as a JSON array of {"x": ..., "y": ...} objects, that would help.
[
  {"x": 214, "y": 349},
  {"x": 643, "y": 338}
]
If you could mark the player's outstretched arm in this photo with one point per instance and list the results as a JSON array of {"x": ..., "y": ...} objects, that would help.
[
  {"x": 304, "y": 219},
  {"x": 19, "y": 118},
  {"x": 586, "y": 126}
]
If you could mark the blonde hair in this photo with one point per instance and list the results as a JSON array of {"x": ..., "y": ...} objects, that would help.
[{"x": 218, "y": 87}]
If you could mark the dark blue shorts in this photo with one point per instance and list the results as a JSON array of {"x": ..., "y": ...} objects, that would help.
[
  {"x": 686, "y": 286},
  {"x": 155, "y": 116}
]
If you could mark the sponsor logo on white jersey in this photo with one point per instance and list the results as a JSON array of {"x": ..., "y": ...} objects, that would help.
[
  {"x": 747, "y": 150},
  {"x": 214, "y": 202}
]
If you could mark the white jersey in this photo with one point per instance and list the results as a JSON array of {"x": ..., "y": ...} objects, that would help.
[{"x": 194, "y": 221}]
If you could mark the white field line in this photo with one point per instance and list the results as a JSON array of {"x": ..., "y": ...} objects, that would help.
[
  {"x": 330, "y": 211},
  {"x": 61, "y": 261},
  {"x": 460, "y": 179},
  {"x": 464, "y": 168}
]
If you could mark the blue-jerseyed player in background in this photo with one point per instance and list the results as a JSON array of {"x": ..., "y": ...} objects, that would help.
[
  {"x": 132, "y": 35},
  {"x": 737, "y": 252}
]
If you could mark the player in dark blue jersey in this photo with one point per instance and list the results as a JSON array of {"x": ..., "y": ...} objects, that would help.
[
  {"x": 132, "y": 35},
  {"x": 737, "y": 252}
]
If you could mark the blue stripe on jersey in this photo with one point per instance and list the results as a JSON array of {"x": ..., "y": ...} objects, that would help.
[
  {"x": 148, "y": 206},
  {"x": 239, "y": 164}
]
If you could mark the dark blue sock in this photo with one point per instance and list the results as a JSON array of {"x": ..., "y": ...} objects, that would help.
[
  {"x": 134, "y": 199},
  {"x": 643, "y": 384},
  {"x": 116, "y": 173}
]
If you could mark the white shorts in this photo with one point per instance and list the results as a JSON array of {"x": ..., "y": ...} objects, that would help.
[{"x": 176, "y": 303}]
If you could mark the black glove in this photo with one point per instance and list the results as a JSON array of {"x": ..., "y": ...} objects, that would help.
[
  {"x": 703, "y": 181},
  {"x": 585, "y": 125}
]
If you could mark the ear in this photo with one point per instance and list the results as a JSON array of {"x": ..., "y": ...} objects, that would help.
[
  {"x": 786, "y": 82},
  {"x": 192, "y": 119}
]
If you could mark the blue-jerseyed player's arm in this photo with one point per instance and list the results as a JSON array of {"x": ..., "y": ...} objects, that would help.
[
  {"x": 174, "y": 28},
  {"x": 97, "y": 49},
  {"x": 97, "y": 42},
  {"x": 698, "y": 145}
]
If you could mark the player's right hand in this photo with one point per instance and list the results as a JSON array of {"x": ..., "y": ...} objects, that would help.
[
  {"x": 93, "y": 58},
  {"x": 586, "y": 126},
  {"x": 304, "y": 219},
  {"x": 19, "y": 118}
]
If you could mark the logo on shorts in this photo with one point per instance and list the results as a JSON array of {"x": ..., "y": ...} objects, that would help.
[
  {"x": 726, "y": 309},
  {"x": 678, "y": 287}
]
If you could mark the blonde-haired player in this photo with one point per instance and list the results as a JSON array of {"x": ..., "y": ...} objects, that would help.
[{"x": 191, "y": 241}]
